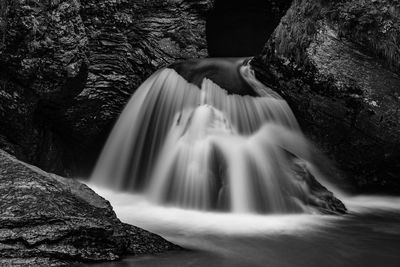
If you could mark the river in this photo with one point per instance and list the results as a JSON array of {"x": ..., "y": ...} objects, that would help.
[{"x": 369, "y": 235}]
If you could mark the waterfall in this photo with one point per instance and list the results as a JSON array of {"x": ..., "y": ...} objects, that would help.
[{"x": 201, "y": 147}]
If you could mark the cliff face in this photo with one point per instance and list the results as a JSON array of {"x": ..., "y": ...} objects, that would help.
[
  {"x": 68, "y": 67},
  {"x": 49, "y": 220},
  {"x": 337, "y": 64}
]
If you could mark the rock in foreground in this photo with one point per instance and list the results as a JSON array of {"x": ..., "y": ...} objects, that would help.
[{"x": 46, "y": 219}]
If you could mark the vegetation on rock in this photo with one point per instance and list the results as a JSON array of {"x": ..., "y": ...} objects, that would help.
[{"x": 374, "y": 25}]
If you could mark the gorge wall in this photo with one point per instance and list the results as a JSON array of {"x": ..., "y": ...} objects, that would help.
[
  {"x": 337, "y": 64},
  {"x": 68, "y": 67}
]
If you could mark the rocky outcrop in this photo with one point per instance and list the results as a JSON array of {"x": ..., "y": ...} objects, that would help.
[
  {"x": 337, "y": 64},
  {"x": 46, "y": 219},
  {"x": 319, "y": 199},
  {"x": 68, "y": 67}
]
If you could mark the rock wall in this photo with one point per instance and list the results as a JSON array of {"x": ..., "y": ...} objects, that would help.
[
  {"x": 336, "y": 63},
  {"x": 67, "y": 68}
]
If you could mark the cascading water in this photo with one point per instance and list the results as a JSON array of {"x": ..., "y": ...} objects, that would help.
[{"x": 195, "y": 145}]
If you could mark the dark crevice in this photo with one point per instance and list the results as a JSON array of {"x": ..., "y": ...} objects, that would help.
[{"x": 241, "y": 28}]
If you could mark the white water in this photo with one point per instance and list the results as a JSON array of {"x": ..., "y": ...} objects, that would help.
[
  {"x": 175, "y": 223},
  {"x": 368, "y": 236},
  {"x": 202, "y": 148},
  {"x": 172, "y": 222}
]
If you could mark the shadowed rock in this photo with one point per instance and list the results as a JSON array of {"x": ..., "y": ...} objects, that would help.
[
  {"x": 335, "y": 62},
  {"x": 222, "y": 71},
  {"x": 46, "y": 219},
  {"x": 68, "y": 67}
]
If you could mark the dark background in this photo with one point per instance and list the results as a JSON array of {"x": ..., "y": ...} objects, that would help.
[{"x": 241, "y": 28}]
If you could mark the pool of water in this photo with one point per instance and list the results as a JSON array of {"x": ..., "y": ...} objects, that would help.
[{"x": 368, "y": 236}]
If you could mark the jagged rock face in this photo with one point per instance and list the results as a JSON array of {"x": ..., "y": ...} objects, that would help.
[
  {"x": 46, "y": 219},
  {"x": 237, "y": 28},
  {"x": 336, "y": 63},
  {"x": 42, "y": 59},
  {"x": 68, "y": 67},
  {"x": 319, "y": 197}
]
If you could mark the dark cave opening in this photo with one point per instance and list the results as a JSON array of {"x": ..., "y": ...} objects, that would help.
[{"x": 237, "y": 28}]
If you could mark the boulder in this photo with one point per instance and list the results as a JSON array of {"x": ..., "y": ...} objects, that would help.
[
  {"x": 337, "y": 64},
  {"x": 46, "y": 219}
]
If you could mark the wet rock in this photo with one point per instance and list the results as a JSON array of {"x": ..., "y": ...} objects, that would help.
[
  {"x": 68, "y": 67},
  {"x": 319, "y": 198},
  {"x": 336, "y": 63},
  {"x": 46, "y": 219}
]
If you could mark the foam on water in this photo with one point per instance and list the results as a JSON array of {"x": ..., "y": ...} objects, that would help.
[
  {"x": 198, "y": 229},
  {"x": 135, "y": 209}
]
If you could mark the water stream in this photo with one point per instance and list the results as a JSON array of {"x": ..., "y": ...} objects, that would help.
[
  {"x": 230, "y": 176},
  {"x": 369, "y": 235}
]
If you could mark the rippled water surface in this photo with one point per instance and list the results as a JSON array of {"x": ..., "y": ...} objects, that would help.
[{"x": 368, "y": 236}]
